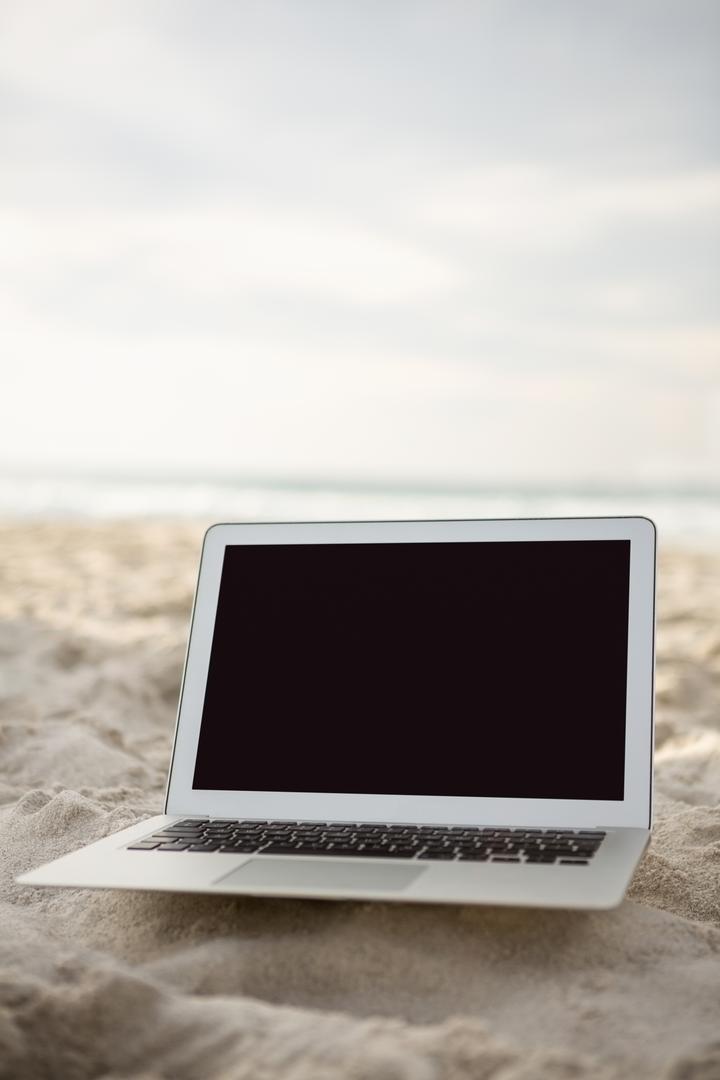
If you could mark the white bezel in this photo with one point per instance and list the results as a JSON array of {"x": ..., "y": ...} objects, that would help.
[{"x": 635, "y": 810}]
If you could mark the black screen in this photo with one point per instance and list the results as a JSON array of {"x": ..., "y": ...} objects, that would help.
[{"x": 474, "y": 669}]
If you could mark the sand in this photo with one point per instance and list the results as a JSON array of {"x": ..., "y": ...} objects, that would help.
[{"x": 93, "y": 621}]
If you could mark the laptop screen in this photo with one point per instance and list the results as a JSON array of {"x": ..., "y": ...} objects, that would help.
[{"x": 493, "y": 669}]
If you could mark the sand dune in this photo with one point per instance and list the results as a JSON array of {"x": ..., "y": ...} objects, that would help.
[{"x": 93, "y": 622}]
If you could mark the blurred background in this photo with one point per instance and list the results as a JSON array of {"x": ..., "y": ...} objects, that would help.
[{"x": 332, "y": 259}]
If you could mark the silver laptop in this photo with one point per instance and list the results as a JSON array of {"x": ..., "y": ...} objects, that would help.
[{"x": 420, "y": 711}]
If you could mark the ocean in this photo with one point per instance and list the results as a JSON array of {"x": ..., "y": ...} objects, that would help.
[{"x": 683, "y": 517}]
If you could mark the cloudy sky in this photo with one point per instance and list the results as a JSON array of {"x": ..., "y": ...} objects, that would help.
[{"x": 471, "y": 241}]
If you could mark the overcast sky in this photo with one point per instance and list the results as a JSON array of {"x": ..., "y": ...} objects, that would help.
[{"x": 466, "y": 241}]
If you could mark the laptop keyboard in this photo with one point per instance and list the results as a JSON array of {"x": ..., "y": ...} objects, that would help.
[{"x": 459, "y": 843}]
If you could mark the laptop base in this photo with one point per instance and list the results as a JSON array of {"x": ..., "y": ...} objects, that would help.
[{"x": 108, "y": 864}]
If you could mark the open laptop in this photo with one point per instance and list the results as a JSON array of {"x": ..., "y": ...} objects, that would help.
[{"x": 420, "y": 711}]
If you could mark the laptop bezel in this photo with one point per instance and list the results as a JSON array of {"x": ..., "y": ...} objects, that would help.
[{"x": 635, "y": 810}]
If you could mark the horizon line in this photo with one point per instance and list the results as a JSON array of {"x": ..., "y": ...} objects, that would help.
[{"x": 371, "y": 485}]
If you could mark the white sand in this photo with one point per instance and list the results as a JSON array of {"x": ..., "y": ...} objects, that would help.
[{"x": 102, "y": 984}]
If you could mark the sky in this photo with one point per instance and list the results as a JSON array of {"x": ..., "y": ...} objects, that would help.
[{"x": 450, "y": 241}]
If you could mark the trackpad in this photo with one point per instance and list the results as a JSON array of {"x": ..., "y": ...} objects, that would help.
[{"x": 320, "y": 874}]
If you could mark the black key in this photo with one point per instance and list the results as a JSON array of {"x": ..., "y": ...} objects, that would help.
[
  {"x": 193, "y": 821},
  {"x": 183, "y": 828},
  {"x": 144, "y": 845},
  {"x": 595, "y": 833},
  {"x": 506, "y": 858},
  {"x": 316, "y": 849},
  {"x": 177, "y": 834},
  {"x": 238, "y": 847},
  {"x": 282, "y": 849},
  {"x": 171, "y": 847},
  {"x": 574, "y": 862},
  {"x": 376, "y": 853},
  {"x": 473, "y": 856},
  {"x": 204, "y": 847},
  {"x": 184, "y": 839},
  {"x": 436, "y": 855},
  {"x": 540, "y": 859}
]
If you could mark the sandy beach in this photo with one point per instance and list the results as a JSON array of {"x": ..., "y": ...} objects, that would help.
[{"x": 93, "y": 622}]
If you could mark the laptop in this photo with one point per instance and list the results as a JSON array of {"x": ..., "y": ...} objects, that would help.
[{"x": 416, "y": 711}]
